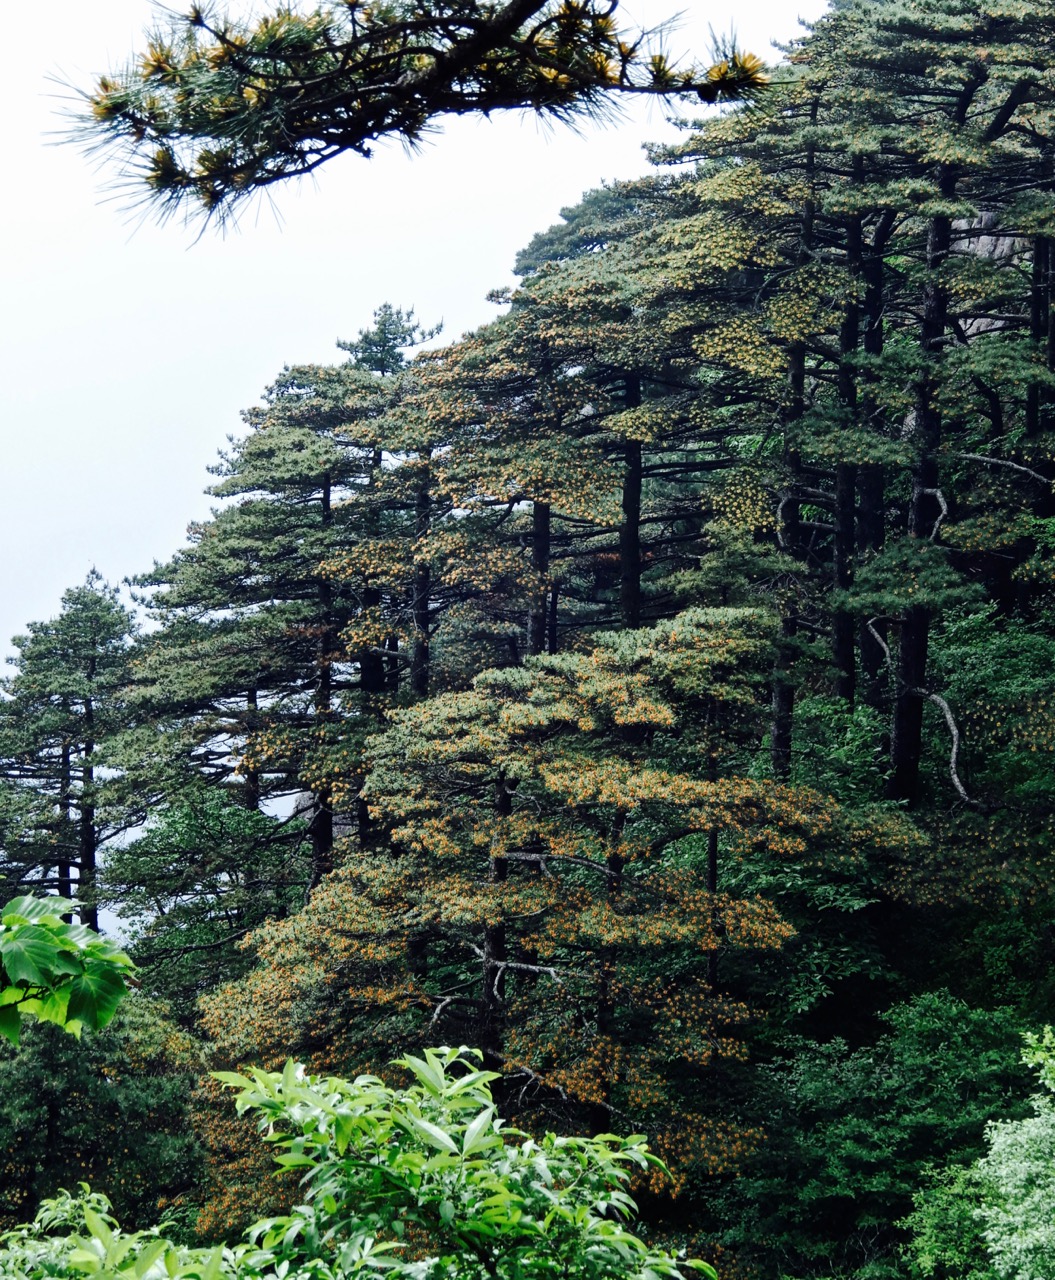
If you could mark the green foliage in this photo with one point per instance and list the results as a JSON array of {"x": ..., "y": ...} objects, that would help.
[
  {"x": 849, "y": 1130},
  {"x": 433, "y": 1170},
  {"x": 1017, "y": 1212},
  {"x": 54, "y": 971},
  {"x": 111, "y": 1109},
  {"x": 946, "y": 1240},
  {"x": 426, "y": 1183},
  {"x": 206, "y": 870},
  {"x": 64, "y": 706},
  {"x": 216, "y": 107}
]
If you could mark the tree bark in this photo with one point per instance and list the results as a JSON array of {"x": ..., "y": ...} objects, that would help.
[
  {"x": 421, "y": 592},
  {"x": 493, "y": 977},
  {"x": 89, "y": 836},
  {"x": 538, "y": 617},
  {"x": 906, "y": 732},
  {"x": 871, "y": 477},
  {"x": 320, "y": 826},
  {"x": 630, "y": 528}
]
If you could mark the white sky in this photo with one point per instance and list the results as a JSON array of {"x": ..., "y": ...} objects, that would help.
[{"x": 128, "y": 349}]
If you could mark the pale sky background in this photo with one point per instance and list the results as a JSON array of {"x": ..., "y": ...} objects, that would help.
[{"x": 128, "y": 349}]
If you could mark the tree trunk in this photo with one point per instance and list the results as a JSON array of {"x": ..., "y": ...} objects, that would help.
[
  {"x": 906, "y": 733},
  {"x": 601, "y": 1109},
  {"x": 250, "y": 792},
  {"x": 62, "y": 870},
  {"x": 421, "y": 591},
  {"x": 89, "y": 836},
  {"x": 1039, "y": 325},
  {"x": 871, "y": 477},
  {"x": 538, "y": 617},
  {"x": 320, "y": 827},
  {"x": 493, "y": 976},
  {"x": 630, "y": 528},
  {"x": 843, "y": 650}
]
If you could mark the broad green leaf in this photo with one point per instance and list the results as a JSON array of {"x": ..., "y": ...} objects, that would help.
[
  {"x": 95, "y": 995},
  {"x": 97, "y": 1226},
  {"x": 479, "y": 1134},
  {"x": 433, "y": 1135},
  {"x": 10, "y": 1023},
  {"x": 28, "y": 954},
  {"x": 149, "y": 1256},
  {"x": 28, "y": 910}
]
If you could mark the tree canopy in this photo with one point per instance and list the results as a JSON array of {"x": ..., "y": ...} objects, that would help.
[{"x": 215, "y": 108}]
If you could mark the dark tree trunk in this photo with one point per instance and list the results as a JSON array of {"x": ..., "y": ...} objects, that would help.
[
  {"x": 871, "y": 477},
  {"x": 782, "y": 724},
  {"x": 493, "y": 975},
  {"x": 601, "y": 1109},
  {"x": 781, "y": 728},
  {"x": 89, "y": 836},
  {"x": 538, "y": 617},
  {"x": 712, "y": 883},
  {"x": 630, "y": 528},
  {"x": 372, "y": 663},
  {"x": 250, "y": 775},
  {"x": 1038, "y": 325},
  {"x": 422, "y": 590},
  {"x": 906, "y": 732},
  {"x": 843, "y": 647},
  {"x": 62, "y": 870},
  {"x": 320, "y": 827}
]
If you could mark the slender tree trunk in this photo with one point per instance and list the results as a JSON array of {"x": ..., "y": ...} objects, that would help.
[
  {"x": 493, "y": 976},
  {"x": 783, "y": 718},
  {"x": 422, "y": 590},
  {"x": 89, "y": 836},
  {"x": 320, "y": 828},
  {"x": 538, "y": 617},
  {"x": 906, "y": 733},
  {"x": 250, "y": 791},
  {"x": 871, "y": 478},
  {"x": 392, "y": 665},
  {"x": 630, "y": 528},
  {"x": 782, "y": 723},
  {"x": 843, "y": 648},
  {"x": 62, "y": 870},
  {"x": 1039, "y": 325},
  {"x": 712, "y": 884},
  {"x": 600, "y": 1110}
]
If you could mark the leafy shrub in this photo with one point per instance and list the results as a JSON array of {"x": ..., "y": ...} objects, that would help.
[{"x": 424, "y": 1183}]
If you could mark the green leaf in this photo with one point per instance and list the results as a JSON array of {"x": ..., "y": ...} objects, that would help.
[
  {"x": 433, "y": 1135},
  {"x": 10, "y": 1023},
  {"x": 95, "y": 994},
  {"x": 97, "y": 1226},
  {"x": 27, "y": 910},
  {"x": 28, "y": 954}
]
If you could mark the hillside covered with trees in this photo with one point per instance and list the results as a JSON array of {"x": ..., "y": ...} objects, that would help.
[{"x": 653, "y": 689}]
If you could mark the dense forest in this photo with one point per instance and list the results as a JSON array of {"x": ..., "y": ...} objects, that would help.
[{"x": 654, "y": 689}]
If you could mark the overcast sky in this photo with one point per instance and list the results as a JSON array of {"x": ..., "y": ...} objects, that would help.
[{"x": 128, "y": 349}]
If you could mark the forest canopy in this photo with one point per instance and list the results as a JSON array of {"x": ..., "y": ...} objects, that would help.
[{"x": 652, "y": 689}]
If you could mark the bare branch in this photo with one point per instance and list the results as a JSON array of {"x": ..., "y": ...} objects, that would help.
[{"x": 1003, "y": 462}]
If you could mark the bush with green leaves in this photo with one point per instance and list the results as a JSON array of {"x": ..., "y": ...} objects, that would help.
[
  {"x": 112, "y": 1109},
  {"x": 55, "y": 971},
  {"x": 421, "y": 1183},
  {"x": 946, "y": 1240},
  {"x": 1017, "y": 1212},
  {"x": 850, "y": 1130}
]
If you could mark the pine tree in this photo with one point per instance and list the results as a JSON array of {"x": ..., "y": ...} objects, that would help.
[{"x": 63, "y": 708}]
